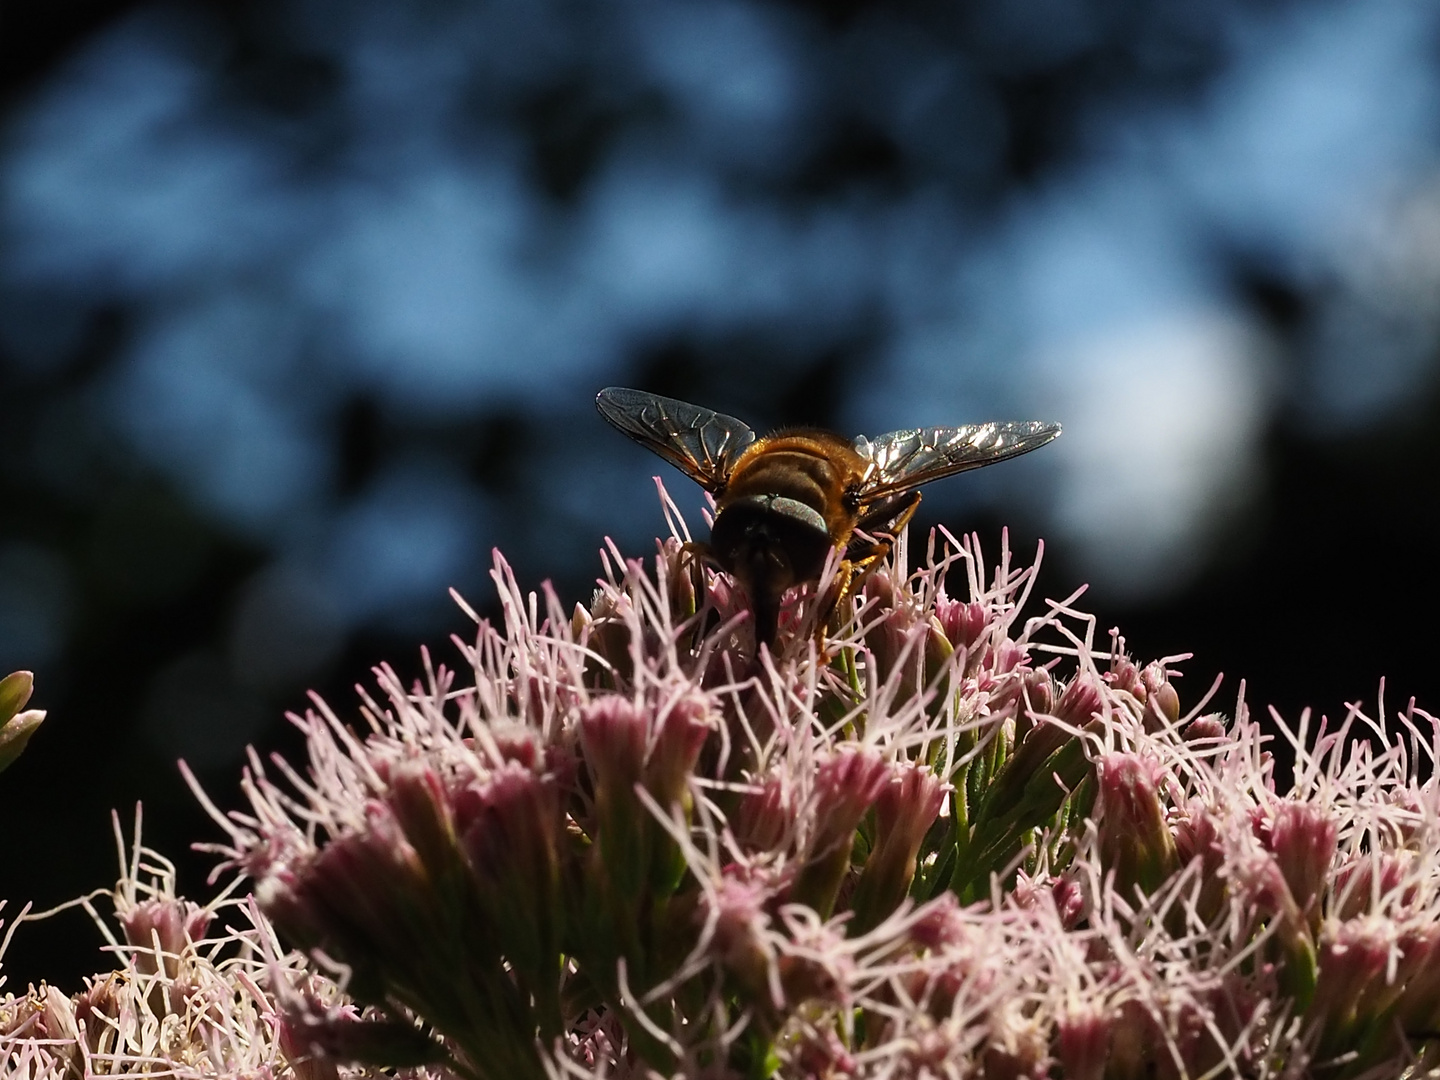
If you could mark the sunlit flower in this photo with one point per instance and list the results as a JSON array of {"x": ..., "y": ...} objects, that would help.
[
  {"x": 934, "y": 837},
  {"x": 925, "y": 837}
]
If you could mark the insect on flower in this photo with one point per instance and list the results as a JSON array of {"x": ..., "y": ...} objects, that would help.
[{"x": 783, "y": 502}]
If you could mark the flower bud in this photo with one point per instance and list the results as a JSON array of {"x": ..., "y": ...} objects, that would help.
[
  {"x": 16, "y": 727},
  {"x": 1061, "y": 894},
  {"x": 1418, "y": 975},
  {"x": 1255, "y": 879},
  {"x": 520, "y": 744},
  {"x": 939, "y": 923},
  {"x": 1362, "y": 884},
  {"x": 938, "y": 649},
  {"x": 1255, "y": 882},
  {"x": 15, "y": 691},
  {"x": 1032, "y": 693},
  {"x": 1124, "y": 677},
  {"x": 880, "y": 591},
  {"x": 279, "y": 884},
  {"x": 1135, "y": 840},
  {"x": 1407, "y": 981},
  {"x": 1082, "y": 1039},
  {"x": 1019, "y": 1043},
  {"x": 1205, "y": 729},
  {"x": 677, "y": 568},
  {"x": 160, "y": 929},
  {"x": 417, "y": 799},
  {"x": 680, "y": 734},
  {"x": 1069, "y": 900},
  {"x": 846, "y": 784},
  {"x": 15, "y": 735},
  {"x": 1197, "y": 836},
  {"x": 56, "y": 1018},
  {"x": 765, "y": 817},
  {"x": 100, "y": 1005},
  {"x": 1036, "y": 742},
  {"x": 737, "y": 908},
  {"x": 613, "y": 733},
  {"x": 366, "y": 899},
  {"x": 1411, "y": 826},
  {"x": 1134, "y": 1037},
  {"x": 897, "y": 642},
  {"x": 1025, "y": 782},
  {"x": 510, "y": 832},
  {"x": 607, "y": 635},
  {"x": 822, "y": 973},
  {"x": 1162, "y": 702},
  {"x": 1352, "y": 960},
  {"x": 964, "y": 624},
  {"x": 819, "y": 1052},
  {"x": 1005, "y": 657},
  {"x": 1081, "y": 701},
  {"x": 904, "y": 812},
  {"x": 580, "y": 620},
  {"x": 727, "y": 598},
  {"x": 1037, "y": 692},
  {"x": 1302, "y": 837}
]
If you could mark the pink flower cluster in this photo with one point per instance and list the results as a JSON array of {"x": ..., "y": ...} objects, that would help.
[
  {"x": 941, "y": 835},
  {"x": 184, "y": 1000},
  {"x": 938, "y": 838}
]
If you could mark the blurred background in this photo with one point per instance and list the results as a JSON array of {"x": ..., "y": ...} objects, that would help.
[{"x": 304, "y": 304}]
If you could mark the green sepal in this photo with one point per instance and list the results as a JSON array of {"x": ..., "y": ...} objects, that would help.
[
  {"x": 15, "y": 691},
  {"x": 15, "y": 734}
]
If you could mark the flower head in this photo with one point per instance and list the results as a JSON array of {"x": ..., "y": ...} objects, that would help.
[
  {"x": 185, "y": 999},
  {"x": 932, "y": 836}
]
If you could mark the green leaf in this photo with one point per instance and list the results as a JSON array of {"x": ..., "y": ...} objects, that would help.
[
  {"x": 16, "y": 733},
  {"x": 15, "y": 691}
]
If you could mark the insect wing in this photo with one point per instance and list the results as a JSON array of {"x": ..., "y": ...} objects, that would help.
[
  {"x": 907, "y": 459},
  {"x": 700, "y": 443}
]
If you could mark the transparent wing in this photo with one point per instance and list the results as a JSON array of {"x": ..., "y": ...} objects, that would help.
[
  {"x": 700, "y": 443},
  {"x": 907, "y": 459}
]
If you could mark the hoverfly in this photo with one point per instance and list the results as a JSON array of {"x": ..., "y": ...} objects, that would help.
[{"x": 785, "y": 501}]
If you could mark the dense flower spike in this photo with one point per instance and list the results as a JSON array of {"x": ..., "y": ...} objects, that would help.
[
  {"x": 934, "y": 837},
  {"x": 922, "y": 836}
]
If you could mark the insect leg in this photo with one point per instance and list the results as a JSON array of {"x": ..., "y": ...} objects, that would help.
[
  {"x": 863, "y": 553},
  {"x": 889, "y": 515},
  {"x": 840, "y": 588},
  {"x": 697, "y": 554}
]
